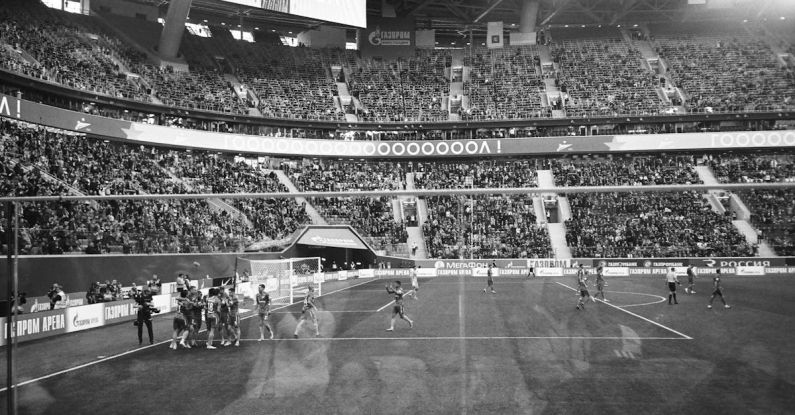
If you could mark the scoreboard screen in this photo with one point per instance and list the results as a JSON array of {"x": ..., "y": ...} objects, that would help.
[{"x": 347, "y": 12}]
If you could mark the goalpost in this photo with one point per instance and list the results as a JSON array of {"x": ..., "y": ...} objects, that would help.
[{"x": 284, "y": 279}]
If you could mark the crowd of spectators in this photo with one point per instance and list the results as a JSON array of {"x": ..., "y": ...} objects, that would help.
[
  {"x": 604, "y": 77},
  {"x": 646, "y": 225},
  {"x": 465, "y": 174},
  {"x": 625, "y": 170},
  {"x": 752, "y": 168},
  {"x": 373, "y": 217},
  {"x": 41, "y": 162},
  {"x": 727, "y": 70},
  {"x": 773, "y": 215},
  {"x": 771, "y": 210},
  {"x": 604, "y": 74},
  {"x": 504, "y": 84},
  {"x": 484, "y": 227},
  {"x": 408, "y": 89}
]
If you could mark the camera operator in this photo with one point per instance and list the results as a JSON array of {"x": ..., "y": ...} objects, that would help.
[
  {"x": 17, "y": 301},
  {"x": 145, "y": 311},
  {"x": 57, "y": 297}
]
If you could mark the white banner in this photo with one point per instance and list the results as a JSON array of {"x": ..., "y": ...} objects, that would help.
[
  {"x": 750, "y": 270},
  {"x": 494, "y": 37},
  {"x": 549, "y": 272},
  {"x": 366, "y": 273},
  {"x": 162, "y": 302},
  {"x": 484, "y": 272},
  {"x": 615, "y": 271},
  {"x": 85, "y": 317},
  {"x": 426, "y": 272}
]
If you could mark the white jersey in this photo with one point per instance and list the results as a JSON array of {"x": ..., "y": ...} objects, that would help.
[
  {"x": 671, "y": 277},
  {"x": 414, "y": 283}
]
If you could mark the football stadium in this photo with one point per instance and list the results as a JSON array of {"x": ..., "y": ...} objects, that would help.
[{"x": 397, "y": 206}]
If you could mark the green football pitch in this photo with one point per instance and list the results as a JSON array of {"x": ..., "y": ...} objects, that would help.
[{"x": 525, "y": 349}]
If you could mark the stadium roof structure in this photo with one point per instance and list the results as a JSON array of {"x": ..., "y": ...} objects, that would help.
[{"x": 461, "y": 16}]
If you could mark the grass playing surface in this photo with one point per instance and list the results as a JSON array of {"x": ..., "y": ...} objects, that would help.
[{"x": 525, "y": 349}]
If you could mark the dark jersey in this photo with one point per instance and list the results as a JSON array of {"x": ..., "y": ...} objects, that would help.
[
  {"x": 398, "y": 293},
  {"x": 263, "y": 302}
]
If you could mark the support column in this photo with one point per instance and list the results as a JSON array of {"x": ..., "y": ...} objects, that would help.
[
  {"x": 528, "y": 16},
  {"x": 171, "y": 37}
]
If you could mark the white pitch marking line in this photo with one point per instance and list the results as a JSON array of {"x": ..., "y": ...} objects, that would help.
[
  {"x": 105, "y": 359},
  {"x": 662, "y": 299},
  {"x": 330, "y": 311},
  {"x": 459, "y": 338},
  {"x": 387, "y": 305},
  {"x": 633, "y": 314}
]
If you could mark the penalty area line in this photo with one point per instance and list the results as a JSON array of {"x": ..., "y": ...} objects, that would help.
[
  {"x": 115, "y": 356},
  {"x": 685, "y": 336},
  {"x": 463, "y": 338}
]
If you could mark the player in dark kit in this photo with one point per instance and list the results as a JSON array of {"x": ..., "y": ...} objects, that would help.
[
  {"x": 584, "y": 294},
  {"x": 211, "y": 318},
  {"x": 180, "y": 323},
  {"x": 308, "y": 310},
  {"x": 263, "y": 310},
  {"x": 717, "y": 291},
  {"x": 490, "y": 279},
  {"x": 691, "y": 280},
  {"x": 600, "y": 284},
  {"x": 397, "y": 309}
]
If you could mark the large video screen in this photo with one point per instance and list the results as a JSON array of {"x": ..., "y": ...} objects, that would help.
[{"x": 347, "y": 12}]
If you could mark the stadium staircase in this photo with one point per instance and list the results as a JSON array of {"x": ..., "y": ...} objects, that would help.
[
  {"x": 245, "y": 94},
  {"x": 415, "y": 232},
  {"x": 456, "y": 88},
  {"x": 736, "y": 204},
  {"x": 215, "y": 203},
  {"x": 313, "y": 214},
  {"x": 557, "y": 238}
]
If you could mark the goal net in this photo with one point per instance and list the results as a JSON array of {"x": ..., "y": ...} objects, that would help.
[{"x": 284, "y": 279}]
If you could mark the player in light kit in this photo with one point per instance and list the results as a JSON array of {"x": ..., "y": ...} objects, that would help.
[
  {"x": 691, "y": 280},
  {"x": 717, "y": 291},
  {"x": 582, "y": 285},
  {"x": 415, "y": 286},
  {"x": 673, "y": 281},
  {"x": 308, "y": 309},
  {"x": 490, "y": 279},
  {"x": 211, "y": 317},
  {"x": 600, "y": 284},
  {"x": 397, "y": 309},
  {"x": 263, "y": 310},
  {"x": 581, "y": 274}
]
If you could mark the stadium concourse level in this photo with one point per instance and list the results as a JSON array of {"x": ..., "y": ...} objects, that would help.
[
  {"x": 39, "y": 161},
  {"x": 597, "y": 72}
]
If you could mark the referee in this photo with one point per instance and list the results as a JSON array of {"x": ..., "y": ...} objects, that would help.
[{"x": 672, "y": 282}]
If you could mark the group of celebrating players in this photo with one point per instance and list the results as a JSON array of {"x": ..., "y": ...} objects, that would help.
[{"x": 221, "y": 314}]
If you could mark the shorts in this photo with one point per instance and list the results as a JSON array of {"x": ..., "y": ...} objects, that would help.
[
  {"x": 211, "y": 321},
  {"x": 689, "y": 280},
  {"x": 179, "y": 323},
  {"x": 398, "y": 309},
  {"x": 197, "y": 322},
  {"x": 308, "y": 311},
  {"x": 717, "y": 292},
  {"x": 263, "y": 314},
  {"x": 224, "y": 318},
  {"x": 490, "y": 282},
  {"x": 233, "y": 319},
  {"x": 672, "y": 286},
  {"x": 584, "y": 293},
  {"x": 600, "y": 286}
]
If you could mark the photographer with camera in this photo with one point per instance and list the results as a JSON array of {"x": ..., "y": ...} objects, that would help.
[
  {"x": 57, "y": 297},
  {"x": 145, "y": 311}
]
